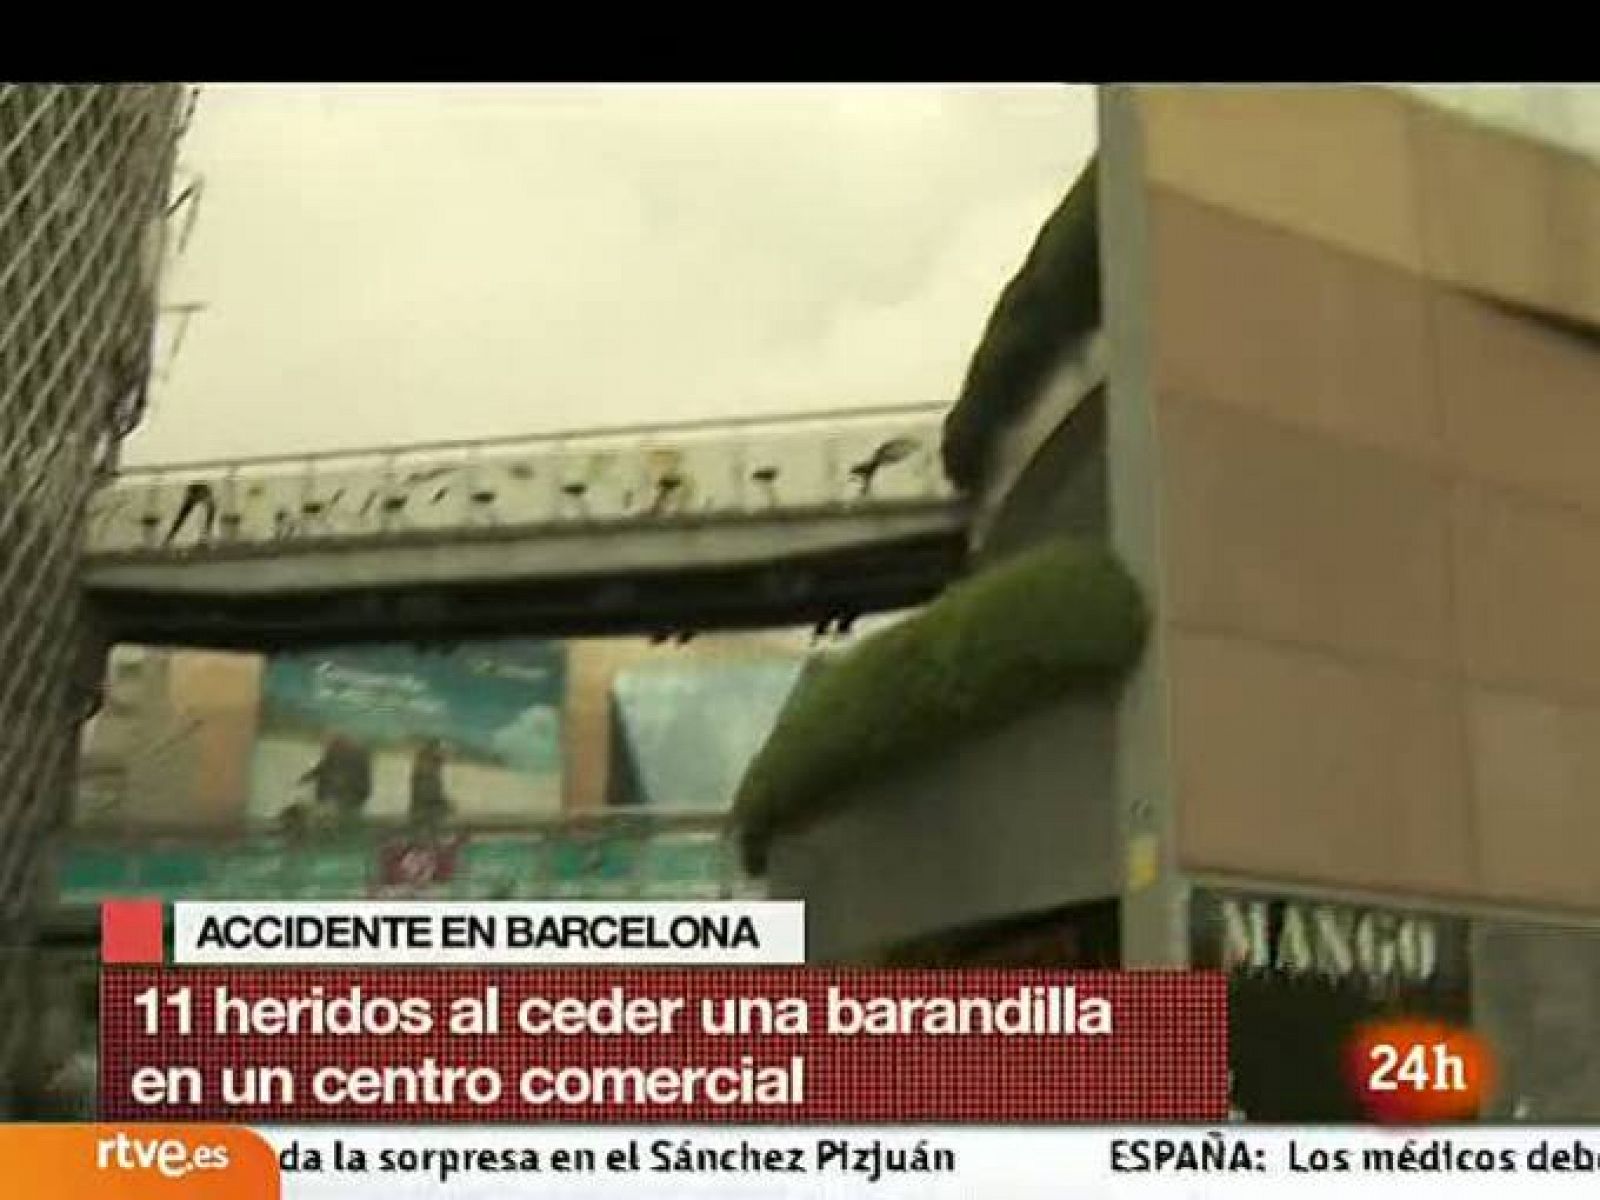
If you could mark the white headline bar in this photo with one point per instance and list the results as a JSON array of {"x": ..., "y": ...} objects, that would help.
[
  {"x": 427, "y": 933},
  {"x": 1235, "y": 1163}
]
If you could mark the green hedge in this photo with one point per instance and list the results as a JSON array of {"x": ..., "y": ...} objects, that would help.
[
  {"x": 1059, "y": 618},
  {"x": 1052, "y": 301}
]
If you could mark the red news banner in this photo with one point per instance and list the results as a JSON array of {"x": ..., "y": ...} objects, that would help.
[{"x": 684, "y": 1046}]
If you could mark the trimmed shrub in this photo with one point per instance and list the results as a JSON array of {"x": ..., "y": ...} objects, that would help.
[
  {"x": 1051, "y": 302},
  {"x": 1063, "y": 617}
]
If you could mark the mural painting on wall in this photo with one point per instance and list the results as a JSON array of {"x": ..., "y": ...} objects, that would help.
[
  {"x": 1307, "y": 973},
  {"x": 394, "y": 733},
  {"x": 408, "y": 866}
]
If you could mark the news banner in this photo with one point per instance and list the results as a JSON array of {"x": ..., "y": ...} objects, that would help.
[{"x": 587, "y": 1049}]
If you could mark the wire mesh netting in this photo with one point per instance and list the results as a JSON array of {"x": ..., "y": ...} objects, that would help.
[{"x": 84, "y": 174}]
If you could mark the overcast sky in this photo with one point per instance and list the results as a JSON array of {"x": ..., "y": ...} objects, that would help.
[{"x": 391, "y": 264}]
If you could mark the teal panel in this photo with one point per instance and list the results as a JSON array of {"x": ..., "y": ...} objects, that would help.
[
  {"x": 96, "y": 872},
  {"x": 688, "y": 731}
]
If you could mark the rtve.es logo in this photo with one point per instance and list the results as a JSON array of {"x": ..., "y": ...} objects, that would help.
[{"x": 169, "y": 1157}]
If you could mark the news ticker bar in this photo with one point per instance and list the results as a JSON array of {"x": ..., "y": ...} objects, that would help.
[
  {"x": 603, "y": 1011},
  {"x": 157, "y": 1162},
  {"x": 459, "y": 934},
  {"x": 628, "y": 1045}
]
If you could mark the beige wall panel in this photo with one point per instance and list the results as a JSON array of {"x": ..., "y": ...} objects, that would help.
[
  {"x": 1270, "y": 322},
  {"x": 1282, "y": 535},
  {"x": 221, "y": 694},
  {"x": 1294, "y": 765},
  {"x": 1509, "y": 217},
  {"x": 1331, "y": 163},
  {"x": 1522, "y": 400},
  {"x": 1380, "y": 513},
  {"x": 1528, "y": 587},
  {"x": 1536, "y": 772},
  {"x": 1389, "y": 177}
]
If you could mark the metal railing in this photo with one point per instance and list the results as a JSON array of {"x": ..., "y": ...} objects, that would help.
[
  {"x": 605, "y": 854},
  {"x": 705, "y": 470}
]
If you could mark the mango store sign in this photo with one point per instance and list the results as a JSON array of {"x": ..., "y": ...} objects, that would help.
[
  {"x": 1309, "y": 973},
  {"x": 1335, "y": 942}
]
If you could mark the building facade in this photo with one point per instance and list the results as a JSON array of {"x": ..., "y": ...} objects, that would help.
[
  {"x": 1322, "y": 367},
  {"x": 1354, "y": 366},
  {"x": 84, "y": 174}
]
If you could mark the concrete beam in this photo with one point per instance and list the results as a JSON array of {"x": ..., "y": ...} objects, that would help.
[
  {"x": 875, "y": 576},
  {"x": 490, "y": 556}
]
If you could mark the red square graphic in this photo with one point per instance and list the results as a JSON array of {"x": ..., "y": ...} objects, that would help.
[{"x": 132, "y": 931}]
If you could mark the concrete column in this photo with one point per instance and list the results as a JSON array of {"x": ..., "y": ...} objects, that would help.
[{"x": 1154, "y": 919}]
